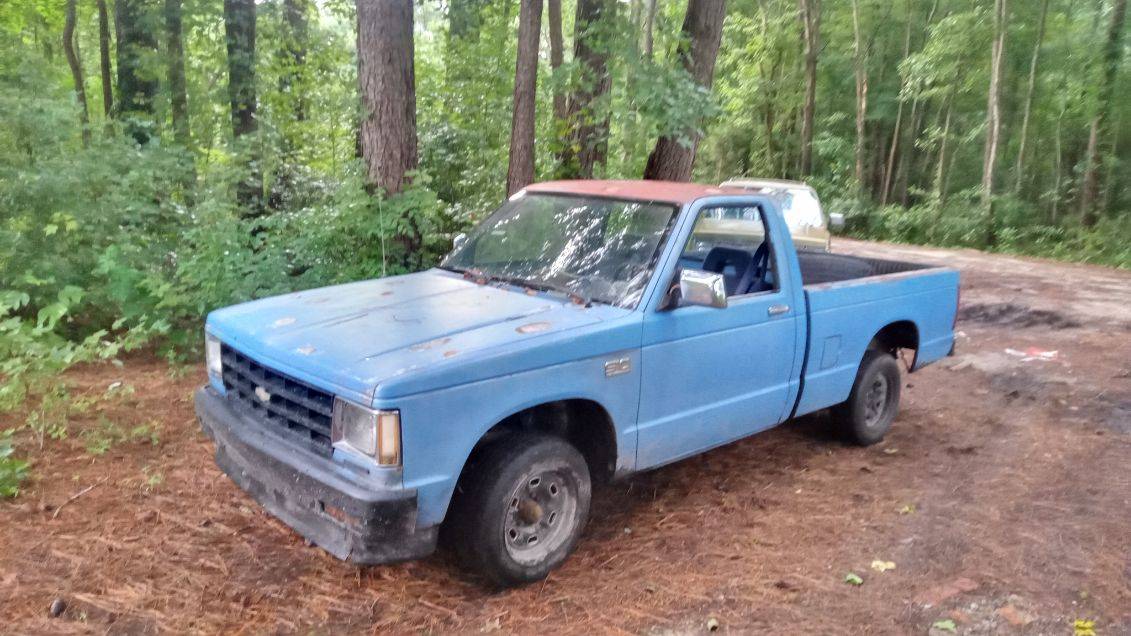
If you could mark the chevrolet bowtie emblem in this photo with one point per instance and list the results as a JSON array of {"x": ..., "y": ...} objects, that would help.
[{"x": 262, "y": 394}]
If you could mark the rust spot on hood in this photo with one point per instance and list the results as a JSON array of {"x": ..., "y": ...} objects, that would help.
[
  {"x": 533, "y": 327},
  {"x": 448, "y": 354},
  {"x": 424, "y": 346}
]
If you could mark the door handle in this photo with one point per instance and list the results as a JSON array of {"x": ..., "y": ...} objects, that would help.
[{"x": 776, "y": 310}]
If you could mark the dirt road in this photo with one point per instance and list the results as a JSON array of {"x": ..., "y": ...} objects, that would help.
[{"x": 1002, "y": 497}]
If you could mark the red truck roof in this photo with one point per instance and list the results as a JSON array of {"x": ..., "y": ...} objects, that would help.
[{"x": 666, "y": 191}]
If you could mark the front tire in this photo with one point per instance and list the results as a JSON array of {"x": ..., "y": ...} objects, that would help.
[
  {"x": 520, "y": 508},
  {"x": 866, "y": 416}
]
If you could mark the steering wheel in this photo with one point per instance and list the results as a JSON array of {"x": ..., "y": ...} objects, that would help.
[{"x": 760, "y": 264}]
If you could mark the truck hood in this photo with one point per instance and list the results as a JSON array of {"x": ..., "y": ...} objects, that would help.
[{"x": 351, "y": 338}]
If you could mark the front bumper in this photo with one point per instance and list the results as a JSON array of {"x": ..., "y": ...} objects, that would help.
[{"x": 311, "y": 493}]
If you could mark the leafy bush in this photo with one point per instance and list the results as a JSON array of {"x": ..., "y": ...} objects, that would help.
[
  {"x": 12, "y": 471},
  {"x": 961, "y": 222},
  {"x": 33, "y": 354},
  {"x": 106, "y": 434}
]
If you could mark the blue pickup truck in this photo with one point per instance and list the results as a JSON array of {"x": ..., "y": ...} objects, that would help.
[{"x": 583, "y": 332}]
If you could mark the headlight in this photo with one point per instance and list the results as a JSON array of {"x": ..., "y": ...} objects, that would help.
[
  {"x": 212, "y": 356},
  {"x": 373, "y": 433}
]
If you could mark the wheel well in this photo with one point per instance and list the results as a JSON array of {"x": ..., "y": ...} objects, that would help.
[
  {"x": 902, "y": 334},
  {"x": 583, "y": 423}
]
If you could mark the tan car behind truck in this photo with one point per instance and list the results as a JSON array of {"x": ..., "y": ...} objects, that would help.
[{"x": 807, "y": 222}]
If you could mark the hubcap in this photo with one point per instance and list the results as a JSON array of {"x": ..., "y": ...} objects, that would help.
[
  {"x": 540, "y": 516},
  {"x": 875, "y": 401}
]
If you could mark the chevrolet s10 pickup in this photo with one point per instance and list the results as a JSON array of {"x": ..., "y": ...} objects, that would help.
[{"x": 583, "y": 332}]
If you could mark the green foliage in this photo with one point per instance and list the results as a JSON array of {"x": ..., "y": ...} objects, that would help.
[
  {"x": 952, "y": 224},
  {"x": 33, "y": 354},
  {"x": 153, "y": 478},
  {"x": 106, "y": 434},
  {"x": 12, "y": 471},
  {"x": 945, "y": 625}
]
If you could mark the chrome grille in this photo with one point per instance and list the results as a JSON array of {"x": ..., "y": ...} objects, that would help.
[{"x": 293, "y": 407}]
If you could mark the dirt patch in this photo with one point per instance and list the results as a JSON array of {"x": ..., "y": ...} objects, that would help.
[
  {"x": 1014, "y": 315},
  {"x": 1000, "y": 496}
]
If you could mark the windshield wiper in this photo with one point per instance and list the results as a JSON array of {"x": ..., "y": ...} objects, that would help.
[{"x": 482, "y": 278}]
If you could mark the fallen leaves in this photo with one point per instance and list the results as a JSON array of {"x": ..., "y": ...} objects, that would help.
[
  {"x": 883, "y": 566},
  {"x": 946, "y": 625},
  {"x": 937, "y": 595},
  {"x": 1083, "y": 627},
  {"x": 853, "y": 579}
]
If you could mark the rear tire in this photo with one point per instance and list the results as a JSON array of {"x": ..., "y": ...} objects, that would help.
[
  {"x": 520, "y": 508},
  {"x": 866, "y": 416}
]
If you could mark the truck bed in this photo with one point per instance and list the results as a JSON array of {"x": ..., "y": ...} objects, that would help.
[
  {"x": 850, "y": 299},
  {"x": 819, "y": 268}
]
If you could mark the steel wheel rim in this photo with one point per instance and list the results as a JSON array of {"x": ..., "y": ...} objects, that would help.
[
  {"x": 876, "y": 400},
  {"x": 540, "y": 514}
]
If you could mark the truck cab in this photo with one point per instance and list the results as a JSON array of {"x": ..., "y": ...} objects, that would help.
[{"x": 583, "y": 332}]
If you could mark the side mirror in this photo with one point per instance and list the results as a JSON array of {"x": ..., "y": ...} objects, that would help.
[
  {"x": 836, "y": 220},
  {"x": 458, "y": 240},
  {"x": 703, "y": 289}
]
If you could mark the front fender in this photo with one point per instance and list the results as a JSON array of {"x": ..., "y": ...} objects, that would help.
[{"x": 441, "y": 428}]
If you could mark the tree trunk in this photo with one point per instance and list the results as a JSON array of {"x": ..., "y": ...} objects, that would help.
[
  {"x": 1030, "y": 90},
  {"x": 769, "y": 112},
  {"x": 557, "y": 56},
  {"x": 239, "y": 31},
  {"x": 897, "y": 129},
  {"x": 993, "y": 118},
  {"x": 136, "y": 41},
  {"x": 75, "y": 63},
  {"x": 1112, "y": 52},
  {"x": 291, "y": 55},
  {"x": 859, "y": 64},
  {"x": 940, "y": 165},
  {"x": 1057, "y": 164},
  {"x": 178, "y": 94},
  {"x": 672, "y": 159},
  {"x": 895, "y": 154},
  {"x": 810, "y": 12},
  {"x": 104, "y": 59},
  {"x": 387, "y": 77},
  {"x": 649, "y": 28},
  {"x": 907, "y": 158},
  {"x": 297, "y": 33},
  {"x": 588, "y": 117},
  {"x": 520, "y": 173}
]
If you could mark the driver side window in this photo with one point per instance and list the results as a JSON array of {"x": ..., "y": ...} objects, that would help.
[{"x": 732, "y": 241}]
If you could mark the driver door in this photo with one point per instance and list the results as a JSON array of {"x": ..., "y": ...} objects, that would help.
[{"x": 714, "y": 375}]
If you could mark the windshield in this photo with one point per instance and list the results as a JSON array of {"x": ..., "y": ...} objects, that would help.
[
  {"x": 598, "y": 249},
  {"x": 802, "y": 210}
]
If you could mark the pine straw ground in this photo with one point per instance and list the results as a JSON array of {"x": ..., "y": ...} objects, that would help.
[{"x": 1002, "y": 496}]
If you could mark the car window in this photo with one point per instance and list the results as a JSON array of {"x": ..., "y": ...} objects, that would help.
[
  {"x": 732, "y": 241},
  {"x": 802, "y": 210}
]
